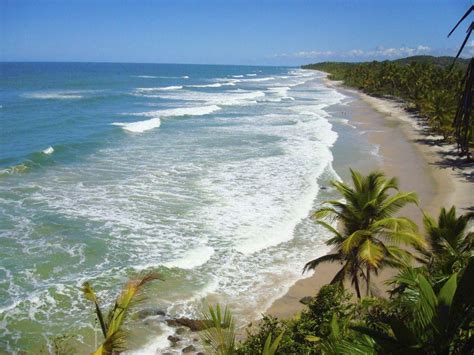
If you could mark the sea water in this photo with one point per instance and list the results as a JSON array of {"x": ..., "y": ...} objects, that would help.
[{"x": 205, "y": 173}]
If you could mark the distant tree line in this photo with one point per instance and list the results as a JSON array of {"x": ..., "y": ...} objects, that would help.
[{"x": 430, "y": 86}]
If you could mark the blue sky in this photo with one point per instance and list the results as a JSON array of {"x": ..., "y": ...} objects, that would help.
[{"x": 272, "y": 32}]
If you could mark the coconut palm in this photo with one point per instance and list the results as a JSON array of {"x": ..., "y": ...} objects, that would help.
[
  {"x": 111, "y": 326},
  {"x": 463, "y": 121},
  {"x": 439, "y": 106},
  {"x": 449, "y": 240},
  {"x": 367, "y": 226}
]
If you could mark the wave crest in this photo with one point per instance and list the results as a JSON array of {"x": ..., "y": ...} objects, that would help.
[{"x": 155, "y": 121}]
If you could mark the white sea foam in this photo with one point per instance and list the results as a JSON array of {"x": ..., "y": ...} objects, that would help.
[
  {"x": 158, "y": 343},
  {"x": 227, "y": 80},
  {"x": 228, "y": 98},
  {"x": 140, "y": 126},
  {"x": 237, "y": 76},
  {"x": 181, "y": 111},
  {"x": 233, "y": 190},
  {"x": 251, "y": 74},
  {"x": 58, "y": 95},
  {"x": 155, "y": 121},
  {"x": 163, "y": 88},
  {"x": 192, "y": 258},
  {"x": 281, "y": 93},
  {"x": 146, "y": 76},
  {"x": 188, "y": 259},
  {"x": 49, "y": 150},
  {"x": 214, "y": 85},
  {"x": 259, "y": 79}
]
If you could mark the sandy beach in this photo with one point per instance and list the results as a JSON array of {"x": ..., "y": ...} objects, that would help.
[{"x": 406, "y": 150}]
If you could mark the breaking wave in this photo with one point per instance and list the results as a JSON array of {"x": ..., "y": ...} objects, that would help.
[{"x": 155, "y": 121}]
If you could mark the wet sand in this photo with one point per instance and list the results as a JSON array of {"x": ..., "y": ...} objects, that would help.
[{"x": 406, "y": 150}]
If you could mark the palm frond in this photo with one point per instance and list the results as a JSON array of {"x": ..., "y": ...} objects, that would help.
[
  {"x": 354, "y": 240},
  {"x": 394, "y": 203},
  {"x": 269, "y": 347},
  {"x": 219, "y": 338},
  {"x": 331, "y": 258},
  {"x": 89, "y": 293},
  {"x": 114, "y": 335},
  {"x": 371, "y": 253}
]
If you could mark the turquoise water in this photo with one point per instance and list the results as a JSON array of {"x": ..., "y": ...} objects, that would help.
[{"x": 204, "y": 173}]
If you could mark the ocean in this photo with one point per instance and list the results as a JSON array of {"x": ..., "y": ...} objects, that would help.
[{"x": 205, "y": 173}]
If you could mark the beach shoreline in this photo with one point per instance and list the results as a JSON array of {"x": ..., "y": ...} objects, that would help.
[{"x": 404, "y": 146}]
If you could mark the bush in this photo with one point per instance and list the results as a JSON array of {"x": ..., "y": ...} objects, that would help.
[{"x": 302, "y": 332}]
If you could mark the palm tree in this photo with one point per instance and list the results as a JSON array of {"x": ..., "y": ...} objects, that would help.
[
  {"x": 111, "y": 325},
  {"x": 463, "y": 120},
  {"x": 439, "y": 107},
  {"x": 449, "y": 241},
  {"x": 367, "y": 223}
]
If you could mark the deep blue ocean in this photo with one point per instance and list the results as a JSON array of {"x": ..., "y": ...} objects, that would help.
[{"x": 206, "y": 173}]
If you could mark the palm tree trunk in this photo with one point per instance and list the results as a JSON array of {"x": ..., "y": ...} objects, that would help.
[
  {"x": 368, "y": 280},
  {"x": 356, "y": 285}
]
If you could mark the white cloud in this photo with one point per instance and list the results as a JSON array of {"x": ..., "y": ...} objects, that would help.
[
  {"x": 378, "y": 52},
  {"x": 469, "y": 48},
  {"x": 307, "y": 54}
]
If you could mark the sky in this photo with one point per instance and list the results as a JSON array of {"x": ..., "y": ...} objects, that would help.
[{"x": 266, "y": 32}]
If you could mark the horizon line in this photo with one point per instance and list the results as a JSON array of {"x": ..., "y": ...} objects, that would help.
[{"x": 165, "y": 63}]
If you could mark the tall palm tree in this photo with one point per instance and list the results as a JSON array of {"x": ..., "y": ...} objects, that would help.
[
  {"x": 463, "y": 120},
  {"x": 439, "y": 107},
  {"x": 366, "y": 224},
  {"x": 449, "y": 240},
  {"x": 111, "y": 325}
]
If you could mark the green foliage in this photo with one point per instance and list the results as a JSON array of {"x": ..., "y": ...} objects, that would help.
[
  {"x": 304, "y": 334},
  {"x": 220, "y": 337},
  {"x": 429, "y": 321},
  {"x": 370, "y": 235},
  {"x": 112, "y": 325},
  {"x": 430, "y": 311},
  {"x": 430, "y": 85},
  {"x": 270, "y": 348},
  {"x": 450, "y": 242}
]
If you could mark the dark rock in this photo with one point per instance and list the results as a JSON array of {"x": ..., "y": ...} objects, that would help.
[
  {"x": 323, "y": 188},
  {"x": 150, "y": 312},
  {"x": 200, "y": 353},
  {"x": 189, "y": 349},
  {"x": 180, "y": 331},
  {"x": 195, "y": 339},
  {"x": 173, "y": 339},
  {"x": 306, "y": 300},
  {"x": 195, "y": 325}
]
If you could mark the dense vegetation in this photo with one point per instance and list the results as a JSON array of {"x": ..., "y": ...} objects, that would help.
[
  {"x": 430, "y": 308},
  {"x": 430, "y": 86}
]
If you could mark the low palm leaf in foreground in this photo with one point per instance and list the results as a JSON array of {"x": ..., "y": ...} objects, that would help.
[
  {"x": 111, "y": 326},
  {"x": 432, "y": 323},
  {"x": 219, "y": 337}
]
